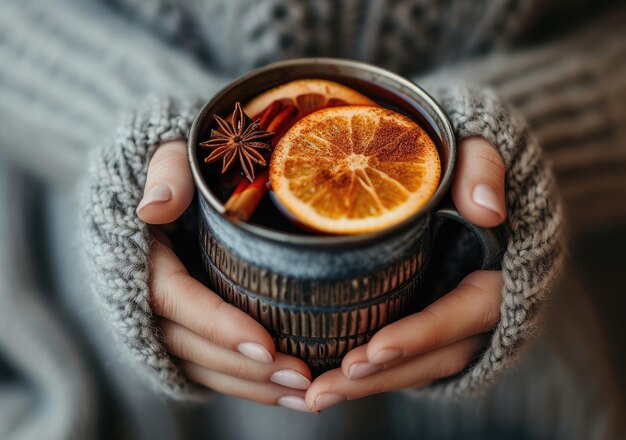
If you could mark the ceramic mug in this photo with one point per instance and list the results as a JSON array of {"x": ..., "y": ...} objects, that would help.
[{"x": 321, "y": 296}]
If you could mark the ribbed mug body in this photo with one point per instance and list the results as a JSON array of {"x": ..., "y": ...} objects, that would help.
[
  {"x": 319, "y": 296},
  {"x": 327, "y": 308}
]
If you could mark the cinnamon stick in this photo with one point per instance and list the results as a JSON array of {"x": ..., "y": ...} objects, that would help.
[
  {"x": 245, "y": 203},
  {"x": 283, "y": 120},
  {"x": 269, "y": 114},
  {"x": 243, "y": 184}
]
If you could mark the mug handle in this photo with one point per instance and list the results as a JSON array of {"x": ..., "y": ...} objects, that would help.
[{"x": 492, "y": 240}]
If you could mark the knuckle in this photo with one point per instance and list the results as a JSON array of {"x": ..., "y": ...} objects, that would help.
[
  {"x": 475, "y": 278},
  {"x": 162, "y": 286},
  {"x": 238, "y": 368},
  {"x": 210, "y": 327},
  {"x": 480, "y": 283},
  {"x": 208, "y": 330},
  {"x": 165, "y": 152},
  {"x": 485, "y": 323},
  {"x": 158, "y": 297},
  {"x": 429, "y": 330},
  {"x": 163, "y": 296},
  {"x": 167, "y": 160},
  {"x": 432, "y": 314},
  {"x": 177, "y": 146},
  {"x": 491, "y": 317},
  {"x": 173, "y": 340},
  {"x": 162, "y": 243},
  {"x": 477, "y": 286},
  {"x": 493, "y": 164},
  {"x": 378, "y": 387}
]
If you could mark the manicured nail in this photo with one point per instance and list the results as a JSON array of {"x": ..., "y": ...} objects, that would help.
[
  {"x": 386, "y": 355},
  {"x": 362, "y": 369},
  {"x": 291, "y": 379},
  {"x": 159, "y": 194},
  {"x": 486, "y": 196},
  {"x": 255, "y": 351},
  {"x": 326, "y": 400},
  {"x": 294, "y": 402}
]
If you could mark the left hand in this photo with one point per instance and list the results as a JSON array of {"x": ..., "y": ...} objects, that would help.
[{"x": 443, "y": 338}]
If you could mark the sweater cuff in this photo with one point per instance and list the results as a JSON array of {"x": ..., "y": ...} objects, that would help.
[
  {"x": 63, "y": 80},
  {"x": 116, "y": 243},
  {"x": 534, "y": 245},
  {"x": 572, "y": 93}
]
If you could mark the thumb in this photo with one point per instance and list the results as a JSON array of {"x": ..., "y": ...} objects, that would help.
[
  {"x": 478, "y": 188},
  {"x": 169, "y": 185}
]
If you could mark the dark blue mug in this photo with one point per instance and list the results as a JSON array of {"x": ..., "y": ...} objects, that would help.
[{"x": 321, "y": 296}]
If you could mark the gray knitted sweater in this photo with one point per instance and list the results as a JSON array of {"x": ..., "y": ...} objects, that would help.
[{"x": 69, "y": 69}]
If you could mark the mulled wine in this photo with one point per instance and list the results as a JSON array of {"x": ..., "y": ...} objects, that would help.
[
  {"x": 321, "y": 294},
  {"x": 269, "y": 212}
]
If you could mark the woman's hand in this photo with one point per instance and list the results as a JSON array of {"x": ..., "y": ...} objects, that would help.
[
  {"x": 442, "y": 339},
  {"x": 215, "y": 340},
  {"x": 218, "y": 345}
]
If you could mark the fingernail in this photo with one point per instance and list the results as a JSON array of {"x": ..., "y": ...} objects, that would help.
[
  {"x": 326, "y": 400},
  {"x": 291, "y": 379},
  {"x": 362, "y": 369},
  {"x": 486, "y": 196},
  {"x": 159, "y": 194},
  {"x": 294, "y": 402},
  {"x": 255, "y": 351},
  {"x": 386, "y": 355}
]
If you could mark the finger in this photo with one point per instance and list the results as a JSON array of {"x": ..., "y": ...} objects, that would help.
[
  {"x": 478, "y": 187},
  {"x": 169, "y": 185},
  {"x": 265, "y": 393},
  {"x": 334, "y": 387},
  {"x": 177, "y": 296},
  {"x": 187, "y": 345},
  {"x": 472, "y": 308},
  {"x": 159, "y": 234}
]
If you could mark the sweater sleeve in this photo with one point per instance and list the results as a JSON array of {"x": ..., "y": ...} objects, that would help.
[
  {"x": 534, "y": 246},
  {"x": 68, "y": 68},
  {"x": 116, "y": 243},
  {"x": 572, "y": 93},
  {"x": 569, "y": 97}
]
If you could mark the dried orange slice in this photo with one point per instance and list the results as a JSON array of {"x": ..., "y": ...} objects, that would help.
[
  {"x": 354, "y": 169},
  {"x": 307, "y": 95}
]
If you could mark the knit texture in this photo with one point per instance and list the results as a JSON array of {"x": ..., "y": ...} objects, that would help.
[
  {"x": 572, "y": 94},
  {"x": 535, "y": 243},
  {"x": 69, "y": 67},
  {"x": 401, "y": 35},
  {"x": 117, "y": 243},
  {"x": 69, "y": 70}
]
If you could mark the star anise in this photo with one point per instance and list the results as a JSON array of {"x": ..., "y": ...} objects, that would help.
[{"x": 240, "y": 138}]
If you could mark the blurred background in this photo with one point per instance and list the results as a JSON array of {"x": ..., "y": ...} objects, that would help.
[{"x": 71, "y": 69}]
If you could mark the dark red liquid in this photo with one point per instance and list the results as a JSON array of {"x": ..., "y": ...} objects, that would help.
[{"x": 267, "y": 214}]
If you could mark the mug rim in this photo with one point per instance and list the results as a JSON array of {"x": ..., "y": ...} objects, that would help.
[{"x": 325, "y": 241}]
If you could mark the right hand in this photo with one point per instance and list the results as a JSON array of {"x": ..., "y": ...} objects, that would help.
[{"x": 218, "y": 345}]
